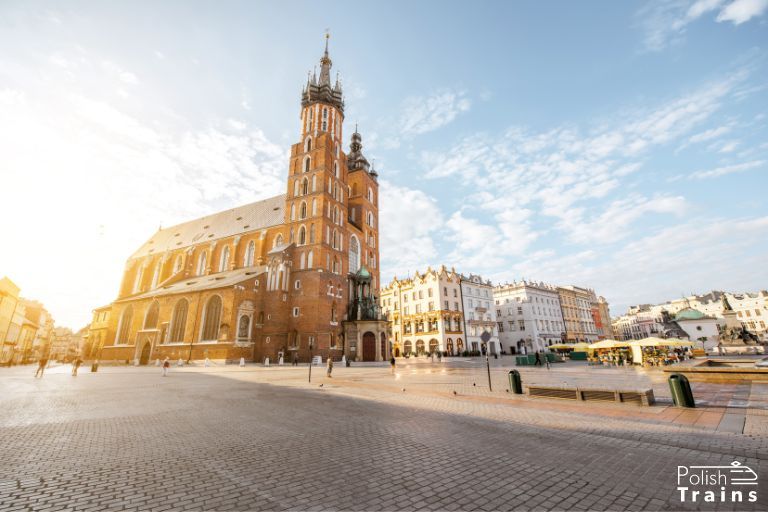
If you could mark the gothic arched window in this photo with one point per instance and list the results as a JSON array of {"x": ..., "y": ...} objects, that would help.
[
  {"x": 302, "y": 235},
  {"x": 156, "y": 275},
  {"x": 178, "y": 321},
  {"x": 224, "y": 260},
  {"x": 202, "y": 262},
  {"x": 303, "y": 211},
  {"x": 308, "y": 145},
  {"x": 249, "y": 253},
  {"x": 278, "y": 240},
  {"x": 177, "y": 264},
  {"x": 150, "y": 320},
  {"x": 304, "y": 186},
  {"x": 312, "y": 233},
  {"x": 354, "y": 254},
  {"x": 124, "y": 329},
  {"x": 314, "y": 207},
  {"x": 211, "y": 318},
  {"x": 307, "y": 164}
]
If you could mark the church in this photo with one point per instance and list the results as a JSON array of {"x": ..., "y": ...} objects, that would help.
[{"x": 289, "y": 276}]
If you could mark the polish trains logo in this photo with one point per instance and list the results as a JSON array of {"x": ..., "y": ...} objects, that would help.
[{"x": 717, "y": 484}]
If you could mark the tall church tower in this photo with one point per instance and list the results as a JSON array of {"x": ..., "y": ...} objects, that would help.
[{"x": 331, "y": 218}]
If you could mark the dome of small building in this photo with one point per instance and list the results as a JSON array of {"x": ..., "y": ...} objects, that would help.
[{"x": 689, "y": 314}]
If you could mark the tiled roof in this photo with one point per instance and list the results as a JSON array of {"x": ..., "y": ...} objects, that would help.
[
  {"x": 243, "y": 219},
  {"x": 199, "y": 283}
]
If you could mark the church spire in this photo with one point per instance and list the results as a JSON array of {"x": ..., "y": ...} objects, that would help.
[
  {"x": 325, "y": 64},
  {"x": 321, "y": 89}
]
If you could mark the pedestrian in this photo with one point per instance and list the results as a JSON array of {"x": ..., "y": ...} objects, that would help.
[
  {"x": 75, "y": 365},
  {"x": 295, "y": 359},
  {"x": 166, "y": 365},
  {"x": 538, "y": 359},
  {"x": 242, "y": 362},
  {"x": 41, "y": 366},
  {"x": 392, "y": 364},
  {"x": 329, "y": 367}
]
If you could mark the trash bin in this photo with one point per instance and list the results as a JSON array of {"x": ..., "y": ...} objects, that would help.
[
  {"x": 681, "y": 390},
  {"x": 94, "y": 367},
  {"x": 515, "y": 384}
]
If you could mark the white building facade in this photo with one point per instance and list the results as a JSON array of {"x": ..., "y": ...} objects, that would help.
[
  {"x": 425, "y": 313},
  {"x": 529, "y": 316},
  {"x": 479, "y": 314}
]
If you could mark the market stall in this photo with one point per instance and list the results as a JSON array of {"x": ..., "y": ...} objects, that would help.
[
  {"x": 655, "y": 351},
  {"x": 610, "y": 352}
]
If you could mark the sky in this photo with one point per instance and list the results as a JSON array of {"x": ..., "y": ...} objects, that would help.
[{"x": 621, "y": 146}]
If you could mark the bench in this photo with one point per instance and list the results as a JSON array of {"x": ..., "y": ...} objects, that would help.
[{"x": 636, "y": 396}]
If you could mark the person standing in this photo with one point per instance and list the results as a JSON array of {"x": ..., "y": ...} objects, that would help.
[
  {"x": 392, "y": 364},
  {"x": 538, "y": 359},
  {"x": 295, "y": 359},
  {"x": 166, "y": 366},
  {"x": 41, "y": 366},
  {"x": 75, "y": 366},
  {"x": 329, "y": 367}
]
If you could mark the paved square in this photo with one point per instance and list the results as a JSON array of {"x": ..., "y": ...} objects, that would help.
[{"x": 228, "y": 438}]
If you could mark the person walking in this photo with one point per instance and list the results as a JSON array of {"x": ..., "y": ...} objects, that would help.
[
  {"x": 75, "y": 366},
  {"x": 538, "y": 359},
  {"x": 329, "y": 367},
  {"x": 41, "y": 366},
  {"x": 166, "y": 366},
  {"x": 392, "y": 364}
]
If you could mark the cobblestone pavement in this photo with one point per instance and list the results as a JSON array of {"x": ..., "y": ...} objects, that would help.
[{"x": 228, "y": 438}]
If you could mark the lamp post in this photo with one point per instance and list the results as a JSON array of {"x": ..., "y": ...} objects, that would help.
[
  {"x": 310, "y": 360},
  {"x": 486, "y": 337}
]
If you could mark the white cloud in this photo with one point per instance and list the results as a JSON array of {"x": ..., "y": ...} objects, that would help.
[
  {"x": 665, "y": 22},
  {"x": 118, "y": 72},
  {"x": 425, "y": 114},
  {"x": 563, "y": 175},
  {"x": 409, "y": 219},
  {"x": 710, "y": 134},
  {"x": 94, "y": 182},
  {"x": 727, "y": 169},
  {"x": 741, "y": 11}
]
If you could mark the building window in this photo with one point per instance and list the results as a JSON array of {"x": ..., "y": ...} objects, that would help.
[
  {"x": 124, "y": 330},
  {"x": 308, "y": 145},
  {"x": 224, "y": 259},
  {"x": 244, "y": 328},
  {"x": 202, "y": 263},
  {"x": 302, "y": 235},
  {"x": 307, "y": 164},
  {"x": 354, "y": 254},
  {"x": 295, "y": 312},
  {"x": 177, "y": 264},
  {"x": 249, "y": 253},
  {"x": 178, "y": 321},
  {"x": 150, "y": 320},
  {"x": 211, "y": 319}
]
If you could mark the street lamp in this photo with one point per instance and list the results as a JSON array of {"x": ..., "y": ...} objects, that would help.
[
  {"x": 311, "y": 346},
  {"x": 486, "y": 337}
]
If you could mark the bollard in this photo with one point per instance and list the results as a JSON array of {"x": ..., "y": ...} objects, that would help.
[
  {"x": 515, "y": 384},
  {"x": 681, "y": 390}
]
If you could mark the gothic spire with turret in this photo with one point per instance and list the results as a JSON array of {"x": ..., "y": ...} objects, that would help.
[{"x": 320, "y": 90}]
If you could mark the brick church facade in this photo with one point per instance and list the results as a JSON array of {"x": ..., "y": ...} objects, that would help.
[{"x": 286, "y": 276}]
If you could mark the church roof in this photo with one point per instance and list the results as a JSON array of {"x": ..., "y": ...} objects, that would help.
[
  {"x": 243, "y": 219},
  {"x": 199, "y": 283}
]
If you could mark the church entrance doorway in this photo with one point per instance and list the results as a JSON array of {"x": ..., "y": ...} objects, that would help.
[
  {"x": 369, "y": 346},
  {"x": 144, "y": 359}
]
